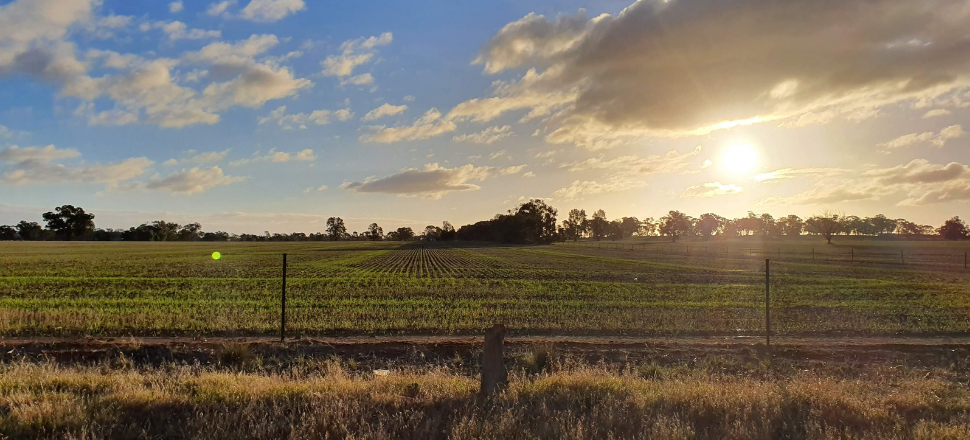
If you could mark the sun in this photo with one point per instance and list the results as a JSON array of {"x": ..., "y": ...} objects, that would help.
[{"x": 740, "y": 158}]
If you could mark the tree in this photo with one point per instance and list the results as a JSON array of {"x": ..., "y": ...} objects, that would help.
[
  {"x": 448, "y": 232},
  {"x": 575, "y": 226},
  {"x": 375, "y": 232},
  {"x": 431, "y": 233},
  {"x": 791, "y": 225},
  {"x": 69, "y": 222},
  {"x": 629, "y": 226},
  {"x": 674, "y": 224},
  {"x": 190, "y": 232},
  {"x": 401, "y": 234},
  {"x": 8, "y": 233},
  {"x": 166, "y": 231},
  {"x": 648, "y": 227},
  {"x": 336, "y": 228},
  {"x": 710, "y": 224},
  {"x": 767, "y": 225},
  {"x": 30, "y": 230},
  {"x": 825, "y": 224},
  {"x": 599, "y": 227},
  {"x": 953, "y": 229}
]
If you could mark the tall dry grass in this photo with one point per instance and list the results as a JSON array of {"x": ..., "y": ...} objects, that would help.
[{"x": 117, "y": 400}]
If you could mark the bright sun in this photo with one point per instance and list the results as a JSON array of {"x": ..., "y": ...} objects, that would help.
[{"x": 740, "y": 158}]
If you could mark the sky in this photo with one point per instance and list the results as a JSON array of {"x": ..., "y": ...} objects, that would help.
[{"x": 256, "y": 115}]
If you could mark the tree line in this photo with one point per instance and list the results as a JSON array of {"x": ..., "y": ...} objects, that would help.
[{"x": 532, "y": 222}]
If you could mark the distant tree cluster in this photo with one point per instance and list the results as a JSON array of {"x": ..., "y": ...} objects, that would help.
[{"x": 532, "y": 222}]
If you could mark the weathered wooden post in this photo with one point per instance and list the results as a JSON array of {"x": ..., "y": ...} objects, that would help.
[
  {"x": 494, "y": 375},
  {"x": 767, "y": 303},
  {"x": 283, "y": 304}
]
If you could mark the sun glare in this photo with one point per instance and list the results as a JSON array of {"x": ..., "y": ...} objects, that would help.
[{"x": 740, "y": 158}]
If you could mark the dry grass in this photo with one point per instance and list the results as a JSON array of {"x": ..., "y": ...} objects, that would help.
[{"x": 329, "y": 400}]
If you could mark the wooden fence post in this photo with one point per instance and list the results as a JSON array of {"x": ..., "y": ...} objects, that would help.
[
  {"x": 283, "y": 304},
  {"x": 494, "y": 375}
]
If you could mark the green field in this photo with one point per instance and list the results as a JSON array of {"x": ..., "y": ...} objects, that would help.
[{"x": 637, "y": 286}]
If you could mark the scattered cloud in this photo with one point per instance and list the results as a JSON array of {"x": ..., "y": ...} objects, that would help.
[
  {"x": 431, "y": 182},
  {"x": 176, "y": 30},
  {"x": 192, "y": 157},
  {"x": 935, "y": 113},
  {"x": 529, "y": 174},
  {"x": 936, "y": 139},
  {"x": 311, "y": 189},
  {"x": 384, "y": 110},
  {"x": 44, "y": 165},
  {"x": 486, "y": 136},
  {"x": 354, "y": 53},
  {"x": 268, "y": 11},
  {"x": 188, "y": 182},
  {"x": 498, "y": 155},
  {"x": 7, "y": 133},
  {"x": 175, "y": 7},
  {"x": 358, "y": 80},
  {"x": 710, "y": 189},
  {"x": 791, "y": 173},
  {"x": 300, "y": 120},
  {"x": 429, "y": 125},
  {"x": 272, "y": 155},
  {"x": 220, "y": 8},
  {"x": 409, "y": 98},
  {"x": 581, "y": 189},
  {"x": 670, "y": 162}
]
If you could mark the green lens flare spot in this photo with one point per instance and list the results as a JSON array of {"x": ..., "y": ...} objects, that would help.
[{"x": 216, "y": 255}]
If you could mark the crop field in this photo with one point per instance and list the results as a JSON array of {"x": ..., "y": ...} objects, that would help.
[{"x": 636, "y": 287}]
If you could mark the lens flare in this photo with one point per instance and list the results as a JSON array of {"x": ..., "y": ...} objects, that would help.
[{"x": 216, "y": 255}]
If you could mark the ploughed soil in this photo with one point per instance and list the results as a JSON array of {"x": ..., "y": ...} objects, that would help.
[{"x": 730, "y": 355}]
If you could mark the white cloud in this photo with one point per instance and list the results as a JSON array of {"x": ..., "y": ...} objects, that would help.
[
  {"x": 790, "y": 173},
  {"x": 935, "y": 113},
  {"x": 663, "y": 68},
  {"x": 311, "y": 189},
  {"x": 176, "y": 30},
  {"x": 432, "y": 181},
  {"x": 670, "y": 162},
  {"x": 429, "y": 125},
  {"x": 409, "y": 98},
  {"x": 7, "y": 133},
  {"x": 192, "y": 157},
  {"x": 529, "y": 174},
  {"x": 486, "y": 136},
  {"x": 270, "y": 10},
  {"x": 936, "y": 139},
  {"x": 300, "y": 120},
  {"x": 41, "y": 165},
  {"x": 710, "y": 189},
  {"x": 191, "y": 181},
  {"x": 354, "y": 53},
  {"x": 216, "y": 9},
  {"x": 384, "y": 110},
  {"x": 581, "y": 189},
  {"x": 175, "y": 7},
  {"x": 272, "y": 155},
  {"x": 358, "y": 80},
  {"x": 498, "y": 155}
]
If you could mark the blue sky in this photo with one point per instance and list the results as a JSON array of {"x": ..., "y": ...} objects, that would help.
[{"x": 275, "y": 114}]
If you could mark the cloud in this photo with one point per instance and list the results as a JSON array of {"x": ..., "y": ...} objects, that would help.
[
  {"x": 175, "y": 7},
  {"x": 272, "y": 155},
  {"x": 580, "y": 189},
  {"x": 694, "y": 66},
  {"x": 498, "y": 155},
  {"x": 8, "y": 133},
  {"x": 486, "y": 136},
  {"x": 217, "y": 9},
  {"x": 429, "y": 125},
  {"x": 354, "y": 53},
  {"x": 40, "y": 165},
  {"x": 919, "y": 171},
  {"x": 176, "y": 30},
  {"x": 384, "y": 110},
  {"x": 358, "y": 80},
  {"x": 300, "y": 120},
  {"x": 710, "y": 189},
  {"x": 935, "y": 113},
  {"x": 670, "y": 162},
  {"x": 431, "y": 182},
  {"x": 936, "y": 139},
  {"x": 529, "y": 174},
  {"x": 321, "y": 188},
  {"x": 270, "y": 10},
  {"x": 790, "y": 173},
  {"x": 191, "y": 181},
  {"x": 192, "y": 157}
]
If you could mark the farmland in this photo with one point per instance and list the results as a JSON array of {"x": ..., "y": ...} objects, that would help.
[{"x": 636, "y": 287}]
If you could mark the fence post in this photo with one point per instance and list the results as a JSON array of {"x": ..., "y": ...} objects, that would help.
[
  {"x": 494, "y": 374},
  {"x": 813, "y": 254},
  {"x": 852, "y": 253},
  {"x": 283, "y": 304},
  {"x": 902, "y": 259},
  {"x": 767, "y": 303}
]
